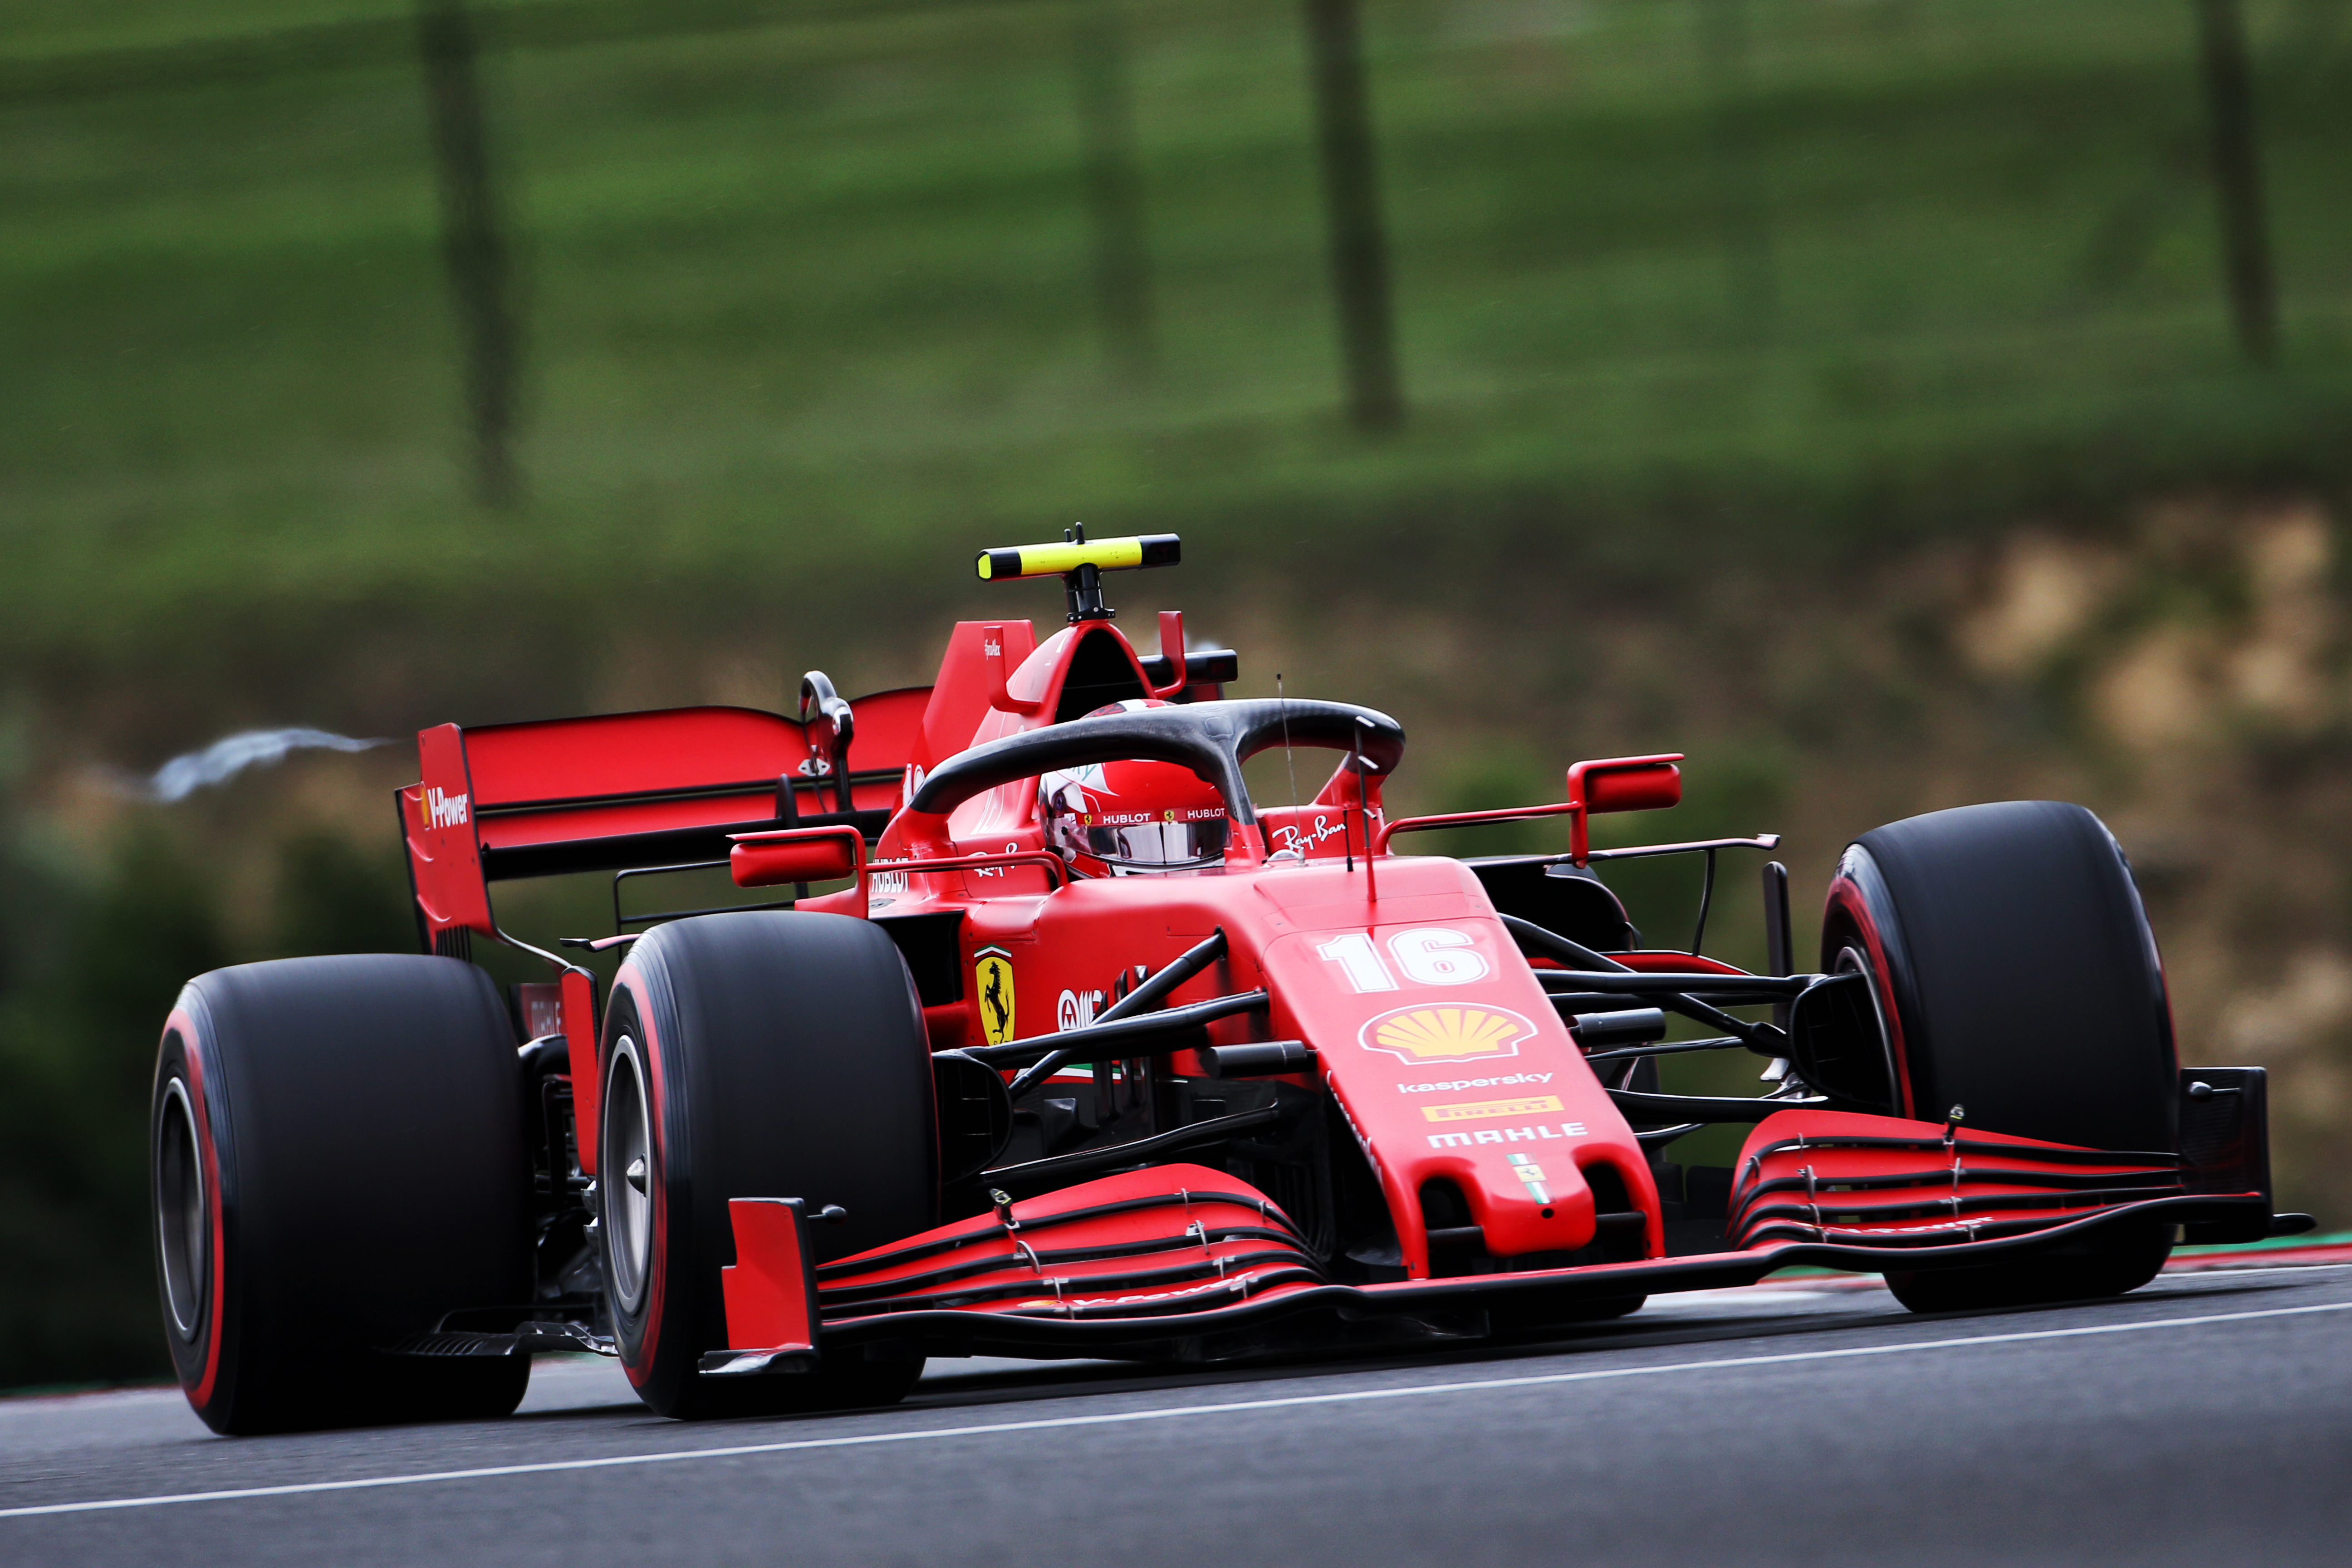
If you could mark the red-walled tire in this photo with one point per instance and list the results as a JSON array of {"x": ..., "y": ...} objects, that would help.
[
  {"x": 2016, "y": 976},
  {"x": 337, "y": 1161},
  {"x": 766, "y": 1054}
]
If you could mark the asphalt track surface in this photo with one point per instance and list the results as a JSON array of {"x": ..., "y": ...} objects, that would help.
[{"x": 2205, "y": 1419}]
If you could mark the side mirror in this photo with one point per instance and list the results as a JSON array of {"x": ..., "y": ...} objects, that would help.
[
  {"x": 1620, "y": 783},
  {"x": 795, "y": 855},
  {"x": 1636, "y": 789}
]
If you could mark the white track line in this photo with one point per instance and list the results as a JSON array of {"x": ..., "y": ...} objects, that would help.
[{"x": 1168, "y": 1413}]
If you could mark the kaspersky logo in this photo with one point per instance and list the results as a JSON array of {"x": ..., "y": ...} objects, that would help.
[{"x": 1450, "y": 1034}]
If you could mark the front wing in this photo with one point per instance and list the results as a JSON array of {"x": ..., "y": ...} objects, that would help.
[{"x": 1185, "y": 1261}]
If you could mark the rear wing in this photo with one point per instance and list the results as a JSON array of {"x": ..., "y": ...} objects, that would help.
[{"x": 625, "y": 790}]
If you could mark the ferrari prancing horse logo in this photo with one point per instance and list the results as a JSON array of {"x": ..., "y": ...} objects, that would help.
[{"x": 991, "y": 981}]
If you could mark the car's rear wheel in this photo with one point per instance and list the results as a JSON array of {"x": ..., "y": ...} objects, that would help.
[
  {"x": 757, "y": 1054},
  {"x": 337, "y": 1162},
  {"x": 2016, "y": 977}
]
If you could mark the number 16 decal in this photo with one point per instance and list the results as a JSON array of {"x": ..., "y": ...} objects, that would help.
[{"x": 1429, "y": 955}]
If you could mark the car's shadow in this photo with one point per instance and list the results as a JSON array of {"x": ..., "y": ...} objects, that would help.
[{"x": 1031, "y": 1381}]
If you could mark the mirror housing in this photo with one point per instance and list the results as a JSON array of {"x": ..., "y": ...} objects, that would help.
[
  {"x": 1620, "y": 783},
  {"x": 1634, "y": 789},
  {"x": 796, "y": 855}
]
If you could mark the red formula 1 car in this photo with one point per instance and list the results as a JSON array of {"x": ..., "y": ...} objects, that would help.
[{"x": 1089, "y": 1053}]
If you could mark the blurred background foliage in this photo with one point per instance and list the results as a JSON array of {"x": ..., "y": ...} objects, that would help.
[
  {"x": 776, "y": 288},
  {"x": 1876, "y": 399}
]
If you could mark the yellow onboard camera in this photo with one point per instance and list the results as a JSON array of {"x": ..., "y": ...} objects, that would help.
[{"x": 1080, "y": 563}]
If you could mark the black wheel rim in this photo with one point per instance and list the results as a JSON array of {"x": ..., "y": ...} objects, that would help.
[
  {"x": 1852, "y": 960},
  {"x": 180, "y": 1228},
  {"x": 626, "y": 1180}
]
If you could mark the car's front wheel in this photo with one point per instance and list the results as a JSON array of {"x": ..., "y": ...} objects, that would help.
[
  {"x": 773, "y": 1054},
  {"x": 2016, "y": 978}
]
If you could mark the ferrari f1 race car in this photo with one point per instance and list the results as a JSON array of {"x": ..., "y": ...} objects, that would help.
[{"x": 1053, "y": 1041}]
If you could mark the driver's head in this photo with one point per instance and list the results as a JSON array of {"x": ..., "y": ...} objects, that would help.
[{"x": 1133, "y": 818}]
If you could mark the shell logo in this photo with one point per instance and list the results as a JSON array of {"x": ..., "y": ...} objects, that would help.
[{"x": 1447, "y": 1034}]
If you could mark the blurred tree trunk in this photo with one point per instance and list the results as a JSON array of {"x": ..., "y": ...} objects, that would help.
[
  {"x": 2238, "y": 178},
  {"x": 1751, "y": 289},
  {"x": 1114, "y": 188},
  {"x": 473, "y": 241},
  {"x": 1359, "y": 266}
]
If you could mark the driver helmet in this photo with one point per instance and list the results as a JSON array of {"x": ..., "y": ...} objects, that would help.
[{"x": 1133, "y": 818}]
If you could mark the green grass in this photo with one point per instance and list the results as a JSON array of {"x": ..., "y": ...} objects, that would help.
[{"x": 817, "y": 291}]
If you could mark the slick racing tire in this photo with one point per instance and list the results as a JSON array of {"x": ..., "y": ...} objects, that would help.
[
  {"x": 770, "y": 1054},
  {"x": 2015, "y": 976},
  {"x": 337, "y": 1162}
]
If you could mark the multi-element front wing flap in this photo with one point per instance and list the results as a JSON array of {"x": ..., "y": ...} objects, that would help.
[{"x": 1146, "y": 1260}]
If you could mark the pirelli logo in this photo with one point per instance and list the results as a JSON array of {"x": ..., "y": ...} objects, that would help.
[{"x": 1480, "y": 1110}]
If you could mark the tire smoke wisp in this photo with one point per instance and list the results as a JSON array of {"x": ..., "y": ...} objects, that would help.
[{"x": 223, "y": 760}]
